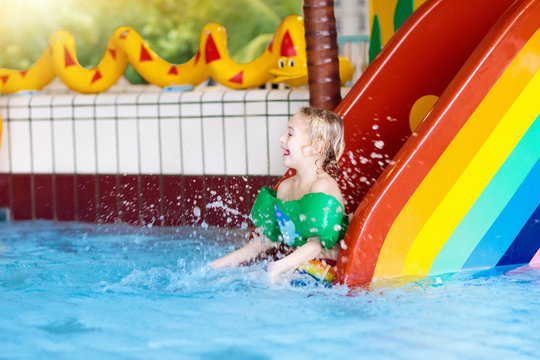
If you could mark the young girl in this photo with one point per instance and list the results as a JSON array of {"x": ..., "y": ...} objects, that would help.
[{"x": 306, "y": 213}]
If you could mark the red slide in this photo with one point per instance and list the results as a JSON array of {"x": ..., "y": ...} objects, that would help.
[{"x": 421, "y": 59}]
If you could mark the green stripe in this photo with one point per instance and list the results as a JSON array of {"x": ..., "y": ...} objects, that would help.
[{"x": 489, "y": 205}]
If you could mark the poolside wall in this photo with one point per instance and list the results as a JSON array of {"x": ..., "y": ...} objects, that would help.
[{"x": 160, "y": 158}]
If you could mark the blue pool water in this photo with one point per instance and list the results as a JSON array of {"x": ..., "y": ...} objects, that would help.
[{"x": 76, "y": 291}]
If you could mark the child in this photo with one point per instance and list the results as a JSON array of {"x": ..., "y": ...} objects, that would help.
[{"x": 307, "y": 212}]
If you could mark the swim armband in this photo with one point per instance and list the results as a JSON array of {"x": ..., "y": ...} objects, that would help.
[{"x": 294, "y": 222}]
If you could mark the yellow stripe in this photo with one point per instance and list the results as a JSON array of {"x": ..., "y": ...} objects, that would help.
[
  {"x": 472, "y": 182},
  {"x": 457, "y": 157}
]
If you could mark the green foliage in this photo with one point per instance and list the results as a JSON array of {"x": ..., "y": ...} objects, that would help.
[
  {"x": 375, "y": 42},
  {"x": 404, "y": 9},
  {"x": 254, "y": 48},
  {"x": 171, "y": 27}
]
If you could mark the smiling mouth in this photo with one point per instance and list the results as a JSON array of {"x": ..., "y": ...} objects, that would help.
[{"x": 286, "y": 152}]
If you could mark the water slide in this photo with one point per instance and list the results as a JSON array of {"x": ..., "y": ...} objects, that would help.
[{"x": 461, "y": 190}]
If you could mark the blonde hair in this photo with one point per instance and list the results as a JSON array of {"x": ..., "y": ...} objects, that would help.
[{"x": 328, "y": 127}]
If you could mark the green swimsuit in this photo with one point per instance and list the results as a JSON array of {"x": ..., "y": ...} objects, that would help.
[{"x": 294, "y": 222}]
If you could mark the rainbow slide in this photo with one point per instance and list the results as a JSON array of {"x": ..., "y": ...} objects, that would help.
[{"x": 461, "y": 190}]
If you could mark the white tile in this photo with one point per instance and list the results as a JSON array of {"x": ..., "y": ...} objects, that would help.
[
  {"x": 106, "y": 146},
  {"x": 105, "y": 111},
  {"x": 84, "y": 99},
  {"x": 214, "y": 157},
  {"x": 127, "y": 99},
  {"x": 169, "y": 97},
  {"x": 15, "y": 112},
  {"x": 212, "y": 109},
  {"x": 253, "y": 95},
  {"x": 127, "y": 111},
  {"x": 20, "y": 147},
  {"x": 276, "y": 127},
  {"x": 106, "y": 99},
  {"x": 212, "y": 96},
  {"x": 128, "y": 147},
  {"x": 257, "y": 150},
  {"x": 235, "y": 95},
  {"x": 149, "y": 146},
  {"x": 83, "y": 112},
  {"x": 169, "y": 110},
  {"x": 41, "y": 100},
  {"x": 85, "y": 147},
  {"x": 62, "y": 112},
  {"x": 4, "y": 148},
  {"x": 235, "y": 146},
  {"x": 192, "y": 146},
  {"x": 295, "y": 105},
  {"x": 278, "y": 108},
  {"x": 188, "y": 97},
  {"x": 40, "y": 112},
  {"x": 42, "y": 150},
  {"x": 279, "y": 94},
  {"x": 299, "y": 94},
  {"x": 190, "y": 110},
  {"x": 256, "y": 108},
  {"x": 233, "y": 108},
  {"x": 4, "y": 101},
  {"x": 17, "y": 100},
  {"x": 170, "y": 146},
  {"x": 149, "y": 98},
  {"x": 147, "y": 111},
  {"x": 60, "y": 100},
  {"x": 64, "y": 152}
]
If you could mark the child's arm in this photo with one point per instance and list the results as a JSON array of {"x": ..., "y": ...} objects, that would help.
[
  {"x": 310, "y": 250},
  {"x": 247, "y": 252}
]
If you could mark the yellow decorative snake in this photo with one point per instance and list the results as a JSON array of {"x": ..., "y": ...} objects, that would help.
[{"x": 283, "y": 61}]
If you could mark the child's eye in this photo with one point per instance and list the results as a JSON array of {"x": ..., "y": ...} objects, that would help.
[{"x": 289, "y": 134}]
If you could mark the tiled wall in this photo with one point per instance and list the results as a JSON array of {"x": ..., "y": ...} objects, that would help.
[{"x": 161, "y": 158}]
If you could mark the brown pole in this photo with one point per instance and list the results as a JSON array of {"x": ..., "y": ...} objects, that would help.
[{"x": 322, "y": 54}]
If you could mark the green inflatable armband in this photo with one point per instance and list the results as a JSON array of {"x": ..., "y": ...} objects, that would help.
[{"x": 294, "y": 222}]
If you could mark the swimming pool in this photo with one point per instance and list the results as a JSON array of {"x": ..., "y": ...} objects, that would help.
[{"x": 77, "y": 291}]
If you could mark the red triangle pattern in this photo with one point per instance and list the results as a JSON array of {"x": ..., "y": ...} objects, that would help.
[
  {"x": 270, "y": 45},
  {"x": 23, "y": 73},
  {"x": 96, "y": 77},
  {"x": 173, "y": 71},
  {"x": 211, "y": 51},
  {"x": 113, "y": 53},
  {"x": 238, "y": 78},
  {"x": 4, "y": 78},
  {"x": 68, "y": 60},
  {"x": 197, "y": 56},
  {"x": 145, "y": 55},
  {"x": 287, "y": 46}
]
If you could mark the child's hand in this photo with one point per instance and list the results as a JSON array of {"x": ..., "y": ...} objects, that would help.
[
  {"x": 275, "y": 272},
  {"x": 220, "y": 263}
]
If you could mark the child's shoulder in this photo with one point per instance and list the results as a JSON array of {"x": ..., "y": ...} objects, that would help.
[
  {"x": 284, "y": 187},
  {"x": 327, "y": 185}
]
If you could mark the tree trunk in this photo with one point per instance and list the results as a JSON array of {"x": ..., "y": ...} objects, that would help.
[{"x": 322, "y": 54}]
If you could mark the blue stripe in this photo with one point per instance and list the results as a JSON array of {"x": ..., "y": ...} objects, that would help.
[
  {"x": 526, "y": 244},
  {"x": 509, "y": 223},
  {"x": 490, "y": 203}
]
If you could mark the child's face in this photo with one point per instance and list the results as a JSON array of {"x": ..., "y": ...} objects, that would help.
[{"x": 294, "y": 142}]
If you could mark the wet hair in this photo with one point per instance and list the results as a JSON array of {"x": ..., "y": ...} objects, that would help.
[{"x": 328, "y": 127}]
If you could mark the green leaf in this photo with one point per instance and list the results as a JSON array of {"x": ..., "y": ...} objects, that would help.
[{"x": 375, "y": 42}]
